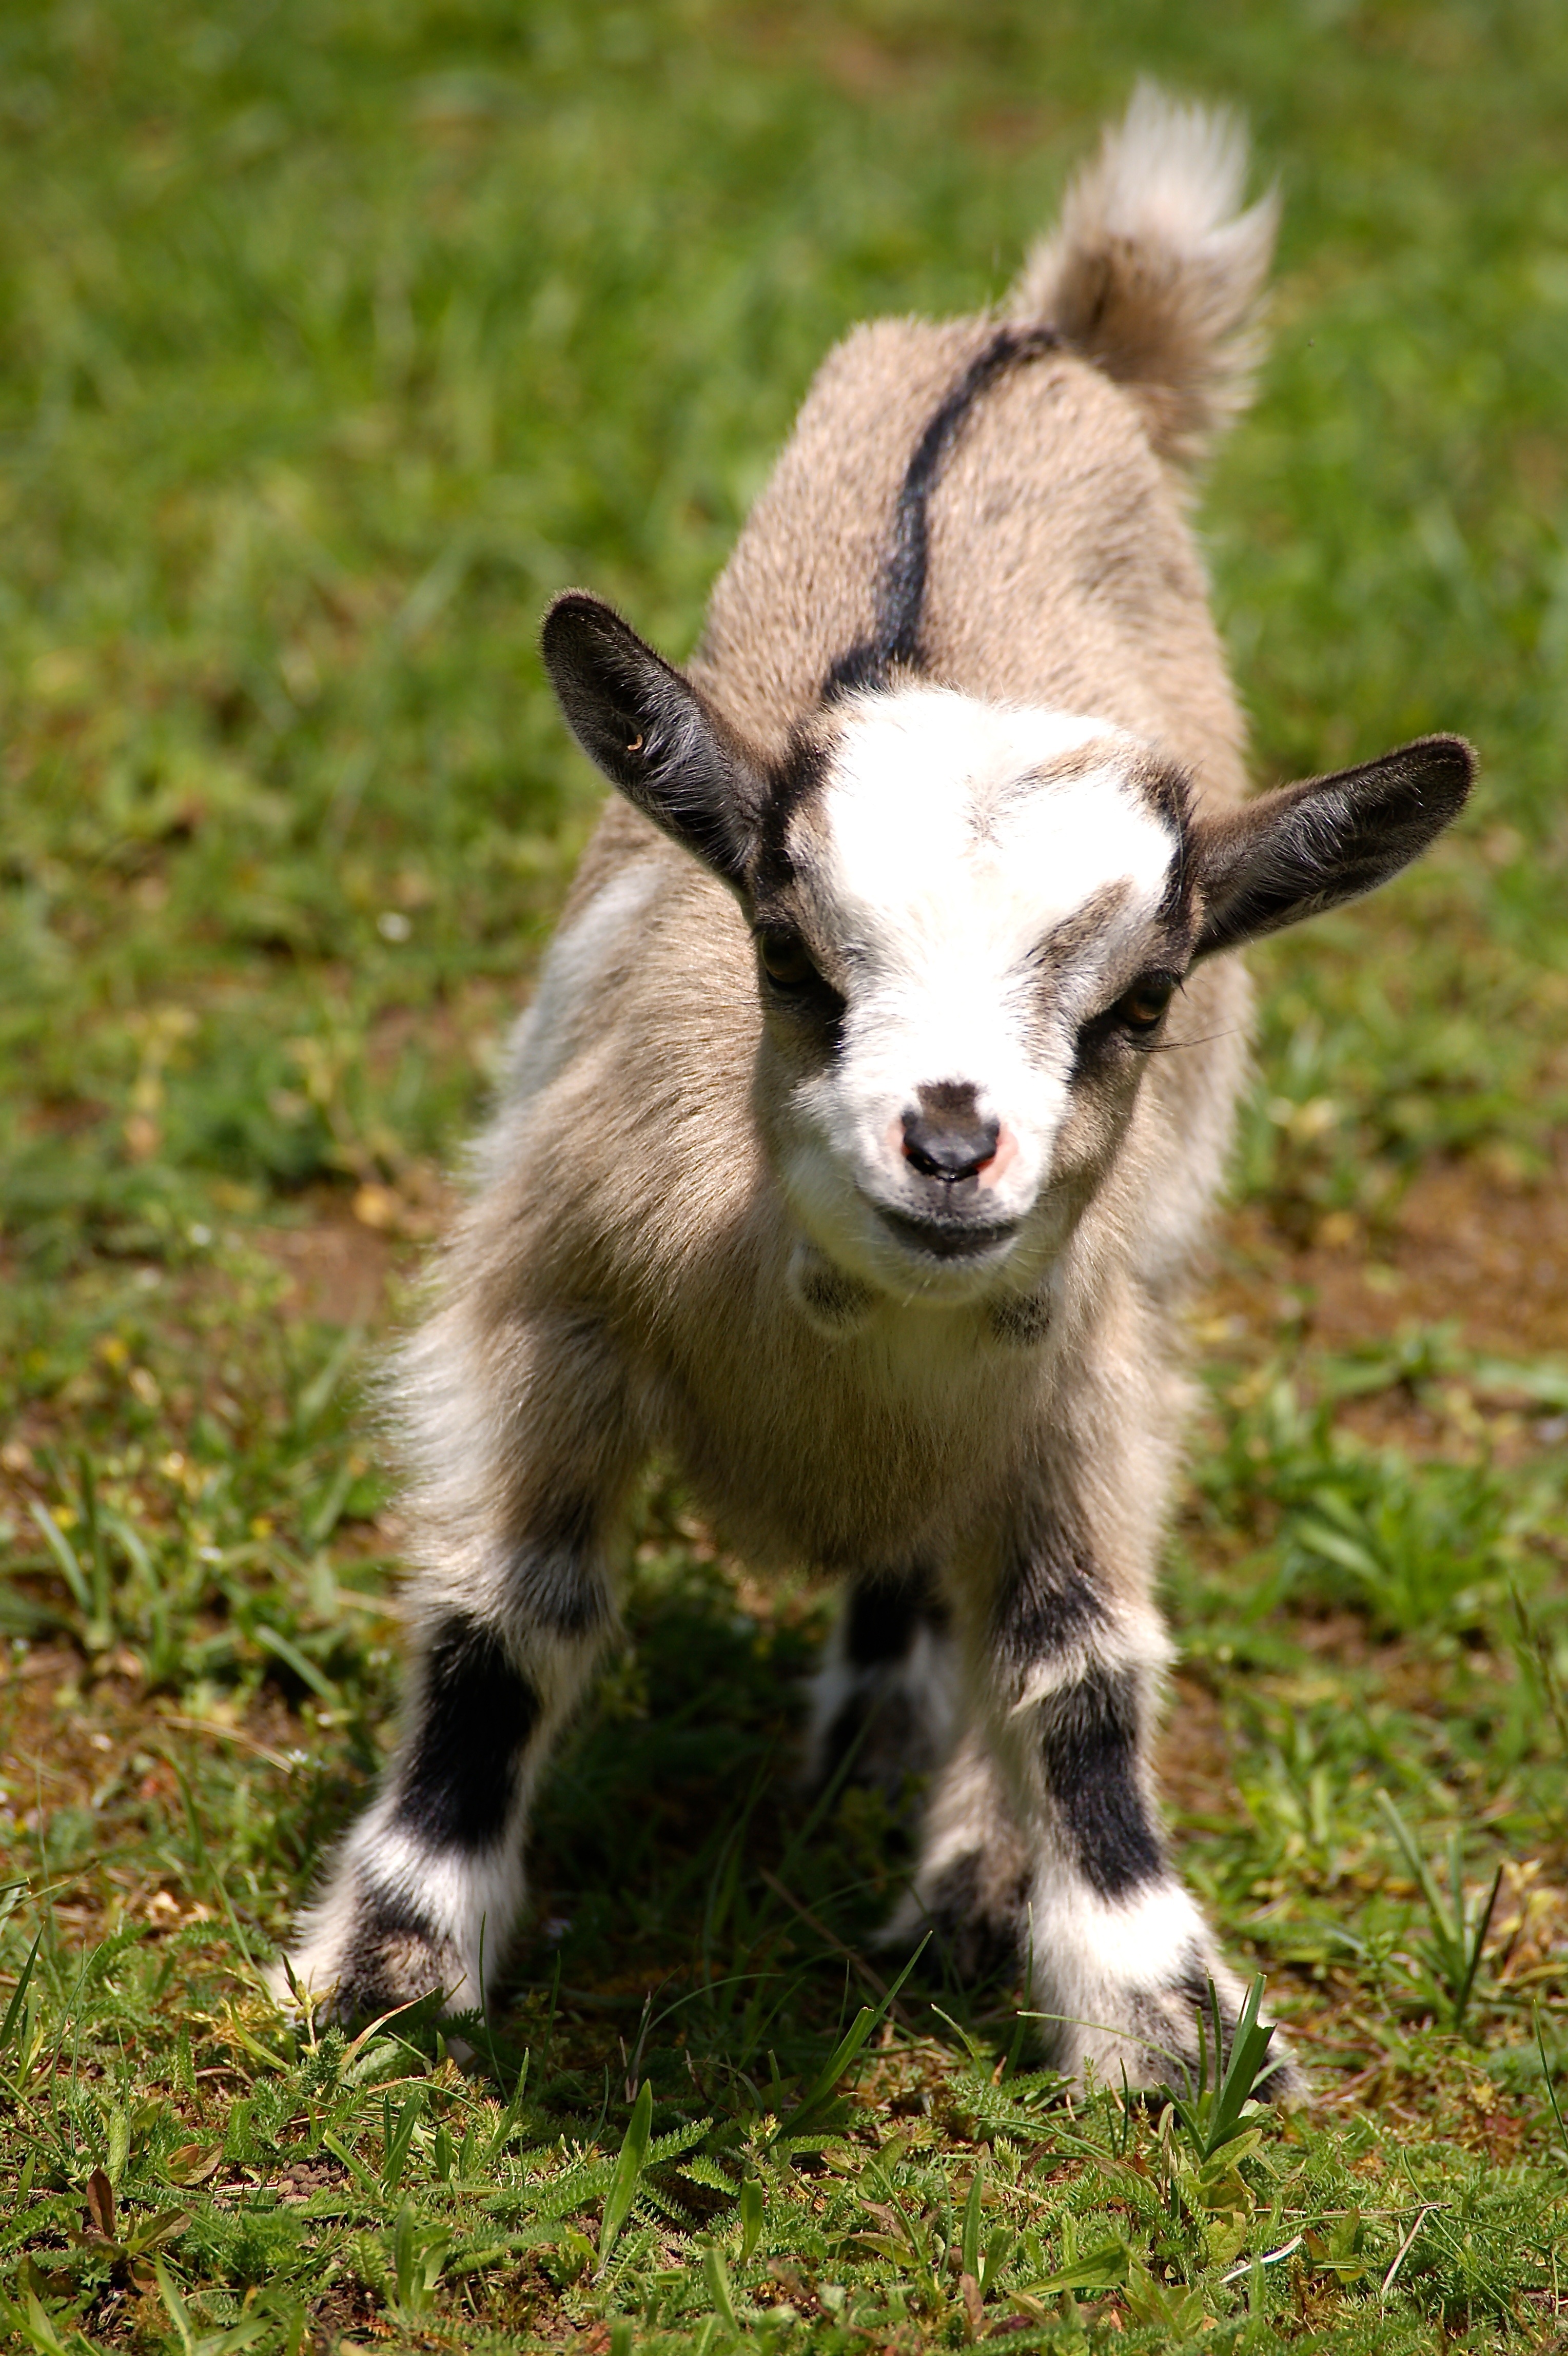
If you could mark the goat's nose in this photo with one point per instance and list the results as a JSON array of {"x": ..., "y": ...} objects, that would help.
[{"x": 947, "y": 1139}]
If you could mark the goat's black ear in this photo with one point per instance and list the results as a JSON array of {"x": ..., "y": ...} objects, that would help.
[
  {"x": 652, "y": 734},
  {"x": 1294, "y": 853}
]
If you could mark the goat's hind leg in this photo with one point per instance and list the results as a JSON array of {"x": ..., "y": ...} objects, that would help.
[
  {"x": 971, "y": 1892},
  {"x": 883, "y": 1698}
]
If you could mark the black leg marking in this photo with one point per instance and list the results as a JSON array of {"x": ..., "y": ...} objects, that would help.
[
  {"x": 901, "y": 594},
  {"x": 476, "y": 1716},
  {"x": 394, "y": 1956},
  {"x": 550, "y": 1586},
  {"x": 1089, "y": 1743},
  {"x": 879, "y": 1722},
  {"x": 883, "y": 1614},
  {"x": 879, "y": 1734},
  {"x": 1050, "y": 1599}
]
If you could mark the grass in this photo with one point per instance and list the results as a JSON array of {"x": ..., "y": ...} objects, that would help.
[{"x": 332, "y": 340}]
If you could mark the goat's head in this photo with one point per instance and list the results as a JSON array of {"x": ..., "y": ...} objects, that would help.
[{"x": 971, "y": 920}]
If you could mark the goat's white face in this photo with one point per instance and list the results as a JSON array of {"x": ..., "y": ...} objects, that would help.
[
  {"x": 969, "y": 887},
  {"x": 969, "y": 920}
]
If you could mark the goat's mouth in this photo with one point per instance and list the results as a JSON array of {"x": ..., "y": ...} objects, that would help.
[{"x": 950, "y": 1239}]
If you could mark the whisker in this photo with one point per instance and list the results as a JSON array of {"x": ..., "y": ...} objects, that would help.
[{"x": 1174, "y": 1046}]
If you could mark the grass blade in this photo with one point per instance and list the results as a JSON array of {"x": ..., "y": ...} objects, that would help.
[
  {"x": 1446, "y": 1938},
  {"x": 178, "y": 2313},
  {"x": 64, "y": 1553},
  {"x": 1215, "y": 2114},
  {"x": 969, "y": 2242},
  {"x": 869, "y": 2017},
  {"x": 1547, "y": 2080},
  {"x": 292, "y": 1658},
  {"x": 629, "y": 2167},
  {"x": 715, "y": 2274},
  {"x": 750, "y": 2217},
  {"x": 18, "y": 1993},
  {"x": 204, "y": 1857},
  {"x": 1484, "y": 1923},
  {"x": 1456, "y": 1947}
]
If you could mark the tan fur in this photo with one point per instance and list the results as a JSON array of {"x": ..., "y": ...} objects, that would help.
[{"x": 1154, "y": 275}]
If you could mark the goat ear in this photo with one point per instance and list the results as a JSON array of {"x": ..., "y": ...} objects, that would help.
[
  {"x": 652, "y": 734},
  {"x": 1306, "y": 847}
]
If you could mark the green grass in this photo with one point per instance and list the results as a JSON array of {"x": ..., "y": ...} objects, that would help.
[{"x": 333, "y": 339}]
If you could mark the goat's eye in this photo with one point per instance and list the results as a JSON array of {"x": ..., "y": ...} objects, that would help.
[
  {"x": 1143, "y": 1008},
  {"x": 786, "y": 962}
]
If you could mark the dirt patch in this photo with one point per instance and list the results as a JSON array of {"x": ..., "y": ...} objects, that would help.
[
  {"x": 1195, "y": 1755},
  {"x": 354, "y": 1249},
  {"x": 340, "y": 1269},
  {"x": 1469, "y": 1247}
]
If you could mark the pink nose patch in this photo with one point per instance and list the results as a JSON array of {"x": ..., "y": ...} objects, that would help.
[{"x": 1007, "y": 1154}]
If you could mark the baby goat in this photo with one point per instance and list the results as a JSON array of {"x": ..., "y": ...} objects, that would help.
[{"x": 854, "y": 1148}]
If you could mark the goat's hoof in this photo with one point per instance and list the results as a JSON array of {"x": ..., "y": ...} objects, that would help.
[
  {"x": 1161, "y": 2041},
  {"x": 378, "y": 1968},
  {"x": 1185, "y": 2025},
  {"x": 975, "y": 1912}
]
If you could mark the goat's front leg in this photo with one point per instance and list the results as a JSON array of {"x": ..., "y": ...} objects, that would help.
[
  {"x": 425, "y": 1892},
  {"x": 511, "y": 1615},
  {"x": 1045, "y": 1831}
]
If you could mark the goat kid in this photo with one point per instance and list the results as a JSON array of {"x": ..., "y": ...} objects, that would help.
[{"x": 857, "y": 1142}]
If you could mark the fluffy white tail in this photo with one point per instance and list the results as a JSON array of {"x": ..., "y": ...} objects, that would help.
[{"x": 1154, "y": 275}]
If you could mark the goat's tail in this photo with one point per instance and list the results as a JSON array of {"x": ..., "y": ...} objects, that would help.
[{"x": 1152, "y": 272}]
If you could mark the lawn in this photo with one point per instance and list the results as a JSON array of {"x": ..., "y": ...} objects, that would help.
[{"x": 336, "y": 335}]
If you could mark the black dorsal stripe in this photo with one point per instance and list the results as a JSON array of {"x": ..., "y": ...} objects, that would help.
[{"x": 901, "y": 592}]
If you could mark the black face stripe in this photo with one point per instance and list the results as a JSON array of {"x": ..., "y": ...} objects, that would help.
[
  {"x": 476, "y": 1715},
  {"x": 1050, "y": 1599},
  {"x": 1173, "y": 791},
  {"x": 1062, "y": 950},
  {"x": 790, "y": 783},
  {"x": 901, "y": 592},
  {"x": 1090, "y": 1747},
  {"x": 1166, "y": 789}
]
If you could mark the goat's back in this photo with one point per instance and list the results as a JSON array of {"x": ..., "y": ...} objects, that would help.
[{"x": 1061, "y": 569}]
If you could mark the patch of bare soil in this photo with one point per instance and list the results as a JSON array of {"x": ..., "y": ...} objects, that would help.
[
  {"x": 1195, "y": 1756},
  {"x": 1469, "y": 1246},
  {"x": 340, "y": 1266}
]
